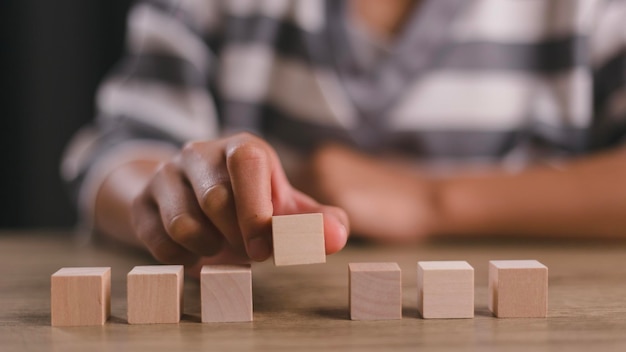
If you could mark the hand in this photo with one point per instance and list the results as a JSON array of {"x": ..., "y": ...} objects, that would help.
[
  {"x": 216, "y": 199},
  {"x": 383, "y": 202}
]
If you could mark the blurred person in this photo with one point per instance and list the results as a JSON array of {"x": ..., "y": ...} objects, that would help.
[{"x": 398, "y": 120}]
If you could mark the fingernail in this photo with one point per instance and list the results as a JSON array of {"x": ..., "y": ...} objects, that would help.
[{"x": 259, "y": 248}]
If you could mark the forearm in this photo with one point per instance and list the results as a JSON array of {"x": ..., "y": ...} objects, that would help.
[
  {"x": 584, "y": 198},
  {"x": 115, "y": 197}
]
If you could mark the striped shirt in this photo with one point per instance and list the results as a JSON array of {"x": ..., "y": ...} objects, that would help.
[{"x": 464, "y": 82}]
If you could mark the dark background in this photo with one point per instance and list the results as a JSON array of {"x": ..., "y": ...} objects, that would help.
[{"x": 52, "y": 56}]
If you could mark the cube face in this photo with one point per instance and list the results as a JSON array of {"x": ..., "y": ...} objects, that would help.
[
  {"x": 155, "y": 294},
  {"x": 445, "y": 289},
  {"x": 226, "y": 293},
  {"x": 298, "y": 239},
  {"x": 518, "y": 289},
  {"x": 375, "y": 291},
  {"x": 80, "y": 296}
]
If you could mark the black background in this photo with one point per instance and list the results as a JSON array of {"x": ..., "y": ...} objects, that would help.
[{"x": 52, "y": 56}]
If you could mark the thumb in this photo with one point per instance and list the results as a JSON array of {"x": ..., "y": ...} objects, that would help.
[{"x": 336, "y": 224}]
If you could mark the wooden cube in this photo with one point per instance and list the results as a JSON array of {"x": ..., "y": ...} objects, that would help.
[
  {"x": 445, "y": 289},
  {"x": 80, "y": 296},
  {"x": 226, "y": 293},
  {"x": 518, "y": 289},
  {"x": 155, "y": 294},
  {"x": 375, "y": 291},
  {"x": 298, "y": 239}
]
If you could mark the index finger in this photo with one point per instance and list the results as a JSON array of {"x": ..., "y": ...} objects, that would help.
[{"x": 250, "y": 167}]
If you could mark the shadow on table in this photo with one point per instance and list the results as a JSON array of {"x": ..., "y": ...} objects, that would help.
[
  {"x": 333, "y": 313},
  {"x": 483, "y": 312},
  {"x": 42, "y": 319}
]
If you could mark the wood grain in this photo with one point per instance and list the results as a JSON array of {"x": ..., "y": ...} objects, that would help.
[
  {"x": 375, "y": 291},
  {"x": 306, "y": 307},
  {"x": 298, "y": 239},
  {"x": 226, "y": 293},
  {"x": 155, "y": 294},
  {"x": 518, "y": 289},
  {"x": 445, "y": 289},
  {"x": 80, "y": 296}
]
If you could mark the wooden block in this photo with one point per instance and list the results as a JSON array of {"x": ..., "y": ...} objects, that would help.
[
  {"x": 155, "y": 294},
  {"x": 80, "y": 296},
  {"x": 518, "y": 289},
  {"x": 226, "y": 293},
  {"x": 298, "y": 239},
  {"x": 375, "y": 291},
  {"x": 445, "y": 289}
]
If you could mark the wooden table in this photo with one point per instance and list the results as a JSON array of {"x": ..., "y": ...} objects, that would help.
[{"x": 306, "y": 307}]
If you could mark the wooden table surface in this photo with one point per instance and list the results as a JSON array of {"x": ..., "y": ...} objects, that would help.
[{"x": 306, "y": 307}]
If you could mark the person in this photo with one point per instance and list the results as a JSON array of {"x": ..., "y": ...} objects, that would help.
[{"x": 398, "y": 120}]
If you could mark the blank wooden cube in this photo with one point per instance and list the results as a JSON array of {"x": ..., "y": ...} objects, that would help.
[
  {"x": 375, "y": 291},
  {"x": 80, "y": 296},
  {"x": 226, "y": 293},
  {"x": 445, "y": 289},
  {"x": 298, "y": 239},
  {"x": 155, "y": 294},
  {"x": 518, "y": 289}
]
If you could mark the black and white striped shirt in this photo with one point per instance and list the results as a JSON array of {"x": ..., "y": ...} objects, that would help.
[{"x": 465, "y": 81}]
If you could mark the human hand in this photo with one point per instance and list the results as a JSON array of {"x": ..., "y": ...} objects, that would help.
[
  {"x": 384, "y": 202},
  {"x": 216, "y": 199}
]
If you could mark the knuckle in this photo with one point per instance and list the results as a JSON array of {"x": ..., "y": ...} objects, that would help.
[
  {"x": 191, "y": 234},
  {"x": 167, "y": 168},
  {"x": 192, "y": 149},
  {"x": 183, "y": 228},
  {"x": 163, "y": 173},
  {"x": 243, "y": 153},
  {"x": 216, "y": 198}
]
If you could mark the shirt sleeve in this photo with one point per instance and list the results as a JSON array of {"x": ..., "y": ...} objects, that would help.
[
  {"x": 608, "y": 59},
  {"x": 155, "y": 99}
]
